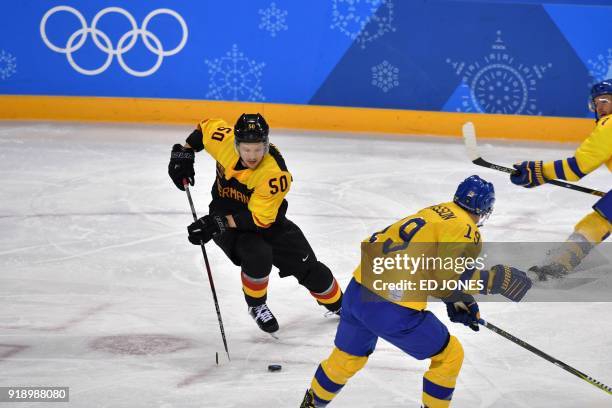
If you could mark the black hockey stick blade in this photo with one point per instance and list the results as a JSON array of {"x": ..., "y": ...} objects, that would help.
[
  {"x": 545, "y": 356},
  {"x": 469, "y": 138}
]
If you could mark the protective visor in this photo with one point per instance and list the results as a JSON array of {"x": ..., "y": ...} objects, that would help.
[{"x": 603, "y": 99}]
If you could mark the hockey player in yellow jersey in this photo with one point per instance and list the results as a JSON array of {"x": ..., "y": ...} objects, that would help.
[
  {"x": 445, "y": 231},
  {"x": 595, "y": 150},
  {"x": 247, "y": 213}
]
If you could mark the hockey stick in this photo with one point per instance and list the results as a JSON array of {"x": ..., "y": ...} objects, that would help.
[
  {"x": 469, "y": 137},
  {"x": 210, "y": 278},
  {"x": 545, "y": 356}
]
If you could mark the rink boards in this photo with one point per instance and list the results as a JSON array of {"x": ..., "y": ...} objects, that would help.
[{"x": 308, "y": 117}]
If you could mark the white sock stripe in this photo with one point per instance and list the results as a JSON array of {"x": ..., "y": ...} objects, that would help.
[{"x": 255, "y": 280}]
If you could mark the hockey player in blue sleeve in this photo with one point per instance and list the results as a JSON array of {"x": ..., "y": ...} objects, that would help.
[{"x": 593, "y": 152}]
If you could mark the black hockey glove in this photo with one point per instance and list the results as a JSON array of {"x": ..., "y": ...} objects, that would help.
[
  {"x": 207, "y": 227},
  {"x": 181, "y": 166}
]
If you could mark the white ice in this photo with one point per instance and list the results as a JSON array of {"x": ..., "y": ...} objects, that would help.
[{"x": 101, "y": 291}]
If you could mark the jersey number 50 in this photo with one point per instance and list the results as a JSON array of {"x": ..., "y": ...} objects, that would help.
[
  {"x": 218, "y": 136},
  {"x": 278, "y": 184}
]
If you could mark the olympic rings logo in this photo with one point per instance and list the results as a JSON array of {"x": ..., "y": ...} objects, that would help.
[{"x": 104, "y": 44}]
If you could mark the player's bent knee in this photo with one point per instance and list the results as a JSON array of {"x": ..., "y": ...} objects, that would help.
[
  {"x": 317, "y": 277},
  {"x": 333, "y": 373},
  {"x": 340, "y": 366},
  {"x": 448, "y": 362},
  {"x": 256, "y": 256},
  {"x": 594, "y": 227},
  {"x": 439, "y": 381}
]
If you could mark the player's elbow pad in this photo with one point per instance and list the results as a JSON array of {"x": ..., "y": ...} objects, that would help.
[{"x": 196, "y": 140}]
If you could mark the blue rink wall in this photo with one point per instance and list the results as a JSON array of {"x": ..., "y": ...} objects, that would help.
[{"x": 503, "y": 57}]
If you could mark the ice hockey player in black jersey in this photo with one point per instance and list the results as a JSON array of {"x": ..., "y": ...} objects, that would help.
[{"x": 247, "y": 213}]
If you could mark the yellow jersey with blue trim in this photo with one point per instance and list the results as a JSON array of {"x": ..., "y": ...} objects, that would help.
[
  {"x": 254, "y": 197},
  {"x": 594, "y": 151},
  {"x": 444, "y": 231}
]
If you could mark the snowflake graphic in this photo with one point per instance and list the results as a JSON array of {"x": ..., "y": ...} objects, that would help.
[
  {"x": 601, "y": 67},
  {"x": 385, "y": 76},
  {"x": 8, "y": 65},
  {"x": 235, "y": 77},
  {"x": 351, "y": 17},
  {"x": 273, "y": 19},
  {"x": 499, "y": 84}
]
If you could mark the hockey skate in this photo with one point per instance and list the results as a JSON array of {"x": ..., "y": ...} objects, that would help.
[
  {"x": 308, "y": 401},
  {"x": 333, "y": 309},
  {"x": 548, "y": 272},
  {"x": 332, "y": 313},
  {"x": 557, "y": 276},
  {"x": 264, "y": 318}
]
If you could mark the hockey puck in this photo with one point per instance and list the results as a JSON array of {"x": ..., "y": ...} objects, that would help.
[{"x": 274, "y": 367}]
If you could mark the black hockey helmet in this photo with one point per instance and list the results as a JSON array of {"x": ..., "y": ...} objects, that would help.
[{"x": 251, "y": 128}]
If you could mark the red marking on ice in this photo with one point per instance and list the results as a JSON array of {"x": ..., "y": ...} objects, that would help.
[
  {"x": 80, "y": 317},
  {"x": 84, "y": 315},
  {"x": 140, "y": 344},
  {"x": 193, "y": 378},
  {"x": 12, "y": 350}
]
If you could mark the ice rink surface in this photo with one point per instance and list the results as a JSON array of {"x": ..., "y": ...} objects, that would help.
[{"x": 101, "y": 291}]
